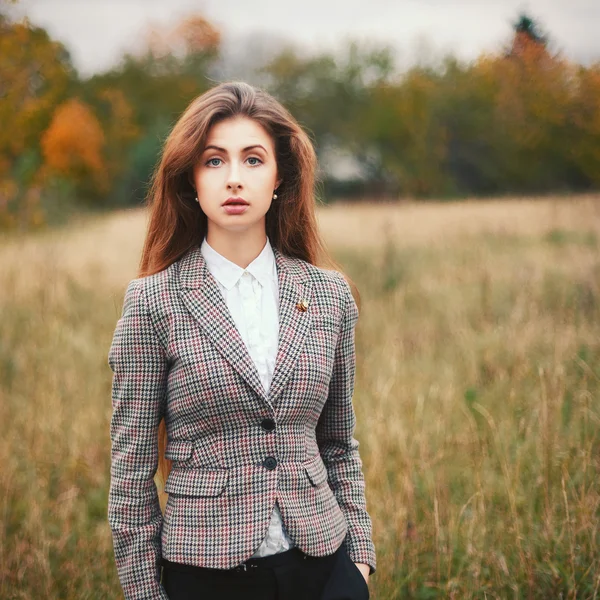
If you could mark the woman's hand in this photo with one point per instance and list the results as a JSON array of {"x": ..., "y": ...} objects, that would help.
[{"x": 364, "y": 569}]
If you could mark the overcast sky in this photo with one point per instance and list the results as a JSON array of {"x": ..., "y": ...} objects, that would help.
[{"x": 97, "y": 32}]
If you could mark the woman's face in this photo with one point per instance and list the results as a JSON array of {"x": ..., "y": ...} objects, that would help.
[{"x": 238, "y": 162}]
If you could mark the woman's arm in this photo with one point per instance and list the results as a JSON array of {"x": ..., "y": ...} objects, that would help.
[
  {"x": 337, "y": 445},
  {"x": 138, "y": 400}
]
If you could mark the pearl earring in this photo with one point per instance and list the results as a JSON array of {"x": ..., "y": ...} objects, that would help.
[
  {"x": 274, "y": 196},
  {"x": 196, "y": 198}
]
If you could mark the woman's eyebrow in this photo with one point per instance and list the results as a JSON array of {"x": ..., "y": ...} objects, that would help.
[{"x": 243, "y": 149}]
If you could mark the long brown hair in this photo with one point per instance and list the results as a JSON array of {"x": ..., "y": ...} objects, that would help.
[{"x": 177, "y": 224}]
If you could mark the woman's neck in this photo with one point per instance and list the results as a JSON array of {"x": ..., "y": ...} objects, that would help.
[{"x": 239, "y": 248}]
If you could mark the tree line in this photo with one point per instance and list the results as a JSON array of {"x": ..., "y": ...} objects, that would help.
[{"x": 522, "y": 120}]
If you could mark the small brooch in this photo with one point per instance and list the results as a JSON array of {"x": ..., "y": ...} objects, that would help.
[{"x": 302, "y": 305}]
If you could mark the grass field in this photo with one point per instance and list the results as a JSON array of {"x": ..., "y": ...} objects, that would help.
[{"x": 477, "y": 397}]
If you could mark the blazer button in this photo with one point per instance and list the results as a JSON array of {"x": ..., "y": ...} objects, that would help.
[
  {"x": 270, "y": 463},
  {"x": 267, "y": 424}
]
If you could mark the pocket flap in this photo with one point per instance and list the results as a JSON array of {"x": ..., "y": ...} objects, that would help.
[
  {"x": 196, "y": 482},
  {"x": 316, "y": 470},
  {"x": 179, "y": 449}
]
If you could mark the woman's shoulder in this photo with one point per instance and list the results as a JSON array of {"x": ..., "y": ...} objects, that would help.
[
  {"x": 153, "y": 289},
  {"x": 327, "y": 280},
  {"x": 323, "y": 275}
]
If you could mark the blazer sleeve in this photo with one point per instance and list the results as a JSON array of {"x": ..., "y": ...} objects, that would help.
[
  {"x": 140, "y": 369},
  {"x": 338, "y": 447}
]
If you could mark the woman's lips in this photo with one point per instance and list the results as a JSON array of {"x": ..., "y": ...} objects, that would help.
[{"x": 235, "y": 209}]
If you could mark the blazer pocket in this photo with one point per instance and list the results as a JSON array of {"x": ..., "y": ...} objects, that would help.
[
  {"x": 316, "y": 470},
  {"x": 196, "y": 482},
  {"x": 179, "y": 450}
]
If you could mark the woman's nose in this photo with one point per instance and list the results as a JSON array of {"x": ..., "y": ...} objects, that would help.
[{"x": 233, "y": 177}]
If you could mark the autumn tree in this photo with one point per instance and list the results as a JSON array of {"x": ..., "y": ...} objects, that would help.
[
  {"x": 528, "y": 38},
  {"x": 73, "y": 147},
  {"x": 36, "y": 75},
  {"x": 522, "y": 120},
  {"x": 582, "y": 146},
  {"x": 157, "y": 82},
  {"x": 169, "y": 69}
]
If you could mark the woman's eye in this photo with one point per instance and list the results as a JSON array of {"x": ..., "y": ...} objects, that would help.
[
  {"x": 256, "y": 159},
  {"x": 209, "y": 163}
]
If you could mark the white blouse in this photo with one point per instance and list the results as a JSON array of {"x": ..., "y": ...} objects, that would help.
[{"x": 252, "y": 296}]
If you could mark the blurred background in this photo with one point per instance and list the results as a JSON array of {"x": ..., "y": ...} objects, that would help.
[
  {"x": 416, "y": 99},
  {"x": 459, "y": 153}
]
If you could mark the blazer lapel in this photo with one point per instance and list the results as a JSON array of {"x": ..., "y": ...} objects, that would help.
[
  {"x": 294, "y": 325},
  {"x": 203, "y": 299}
]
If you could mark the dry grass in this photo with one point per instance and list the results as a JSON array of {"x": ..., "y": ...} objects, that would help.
[
  {"x": 363, "y": 224},
  {"x": 477, "y": 397}
]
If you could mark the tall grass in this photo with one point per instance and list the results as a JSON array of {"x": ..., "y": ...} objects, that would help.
[{"x": 477, "y": 398}]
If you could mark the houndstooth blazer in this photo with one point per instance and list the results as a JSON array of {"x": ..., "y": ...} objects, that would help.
[{"x": 235, "y": 449}]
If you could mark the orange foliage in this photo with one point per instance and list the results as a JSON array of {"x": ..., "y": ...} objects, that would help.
[
  {"x": 531, "y": 50},
  {"x": 35, "y": 73},
  {"x": 197, "y": 34},
  {"x": 72, "y": 145},
  {"x": 191, "y": 35},
  {"x": 531, "y": 89}
]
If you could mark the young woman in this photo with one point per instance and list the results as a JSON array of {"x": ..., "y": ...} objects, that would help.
[{"x": 234, "y": 368}]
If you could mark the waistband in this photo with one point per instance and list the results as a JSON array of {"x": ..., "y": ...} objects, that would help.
[{"x": 251, "y": 564}]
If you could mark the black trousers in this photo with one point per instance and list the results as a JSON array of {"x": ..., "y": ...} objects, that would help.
[{"x": 290, "y": 575}]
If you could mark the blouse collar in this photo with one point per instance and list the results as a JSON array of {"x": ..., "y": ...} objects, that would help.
[{"x": 263, "y": 267}]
